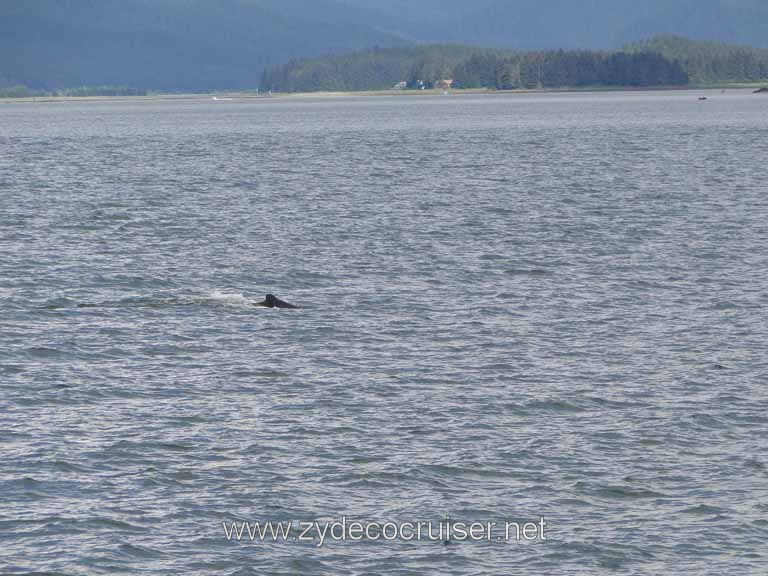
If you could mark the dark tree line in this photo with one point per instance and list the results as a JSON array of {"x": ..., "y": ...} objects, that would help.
[
  {"x": 555, "y": 69},
  {"x": 374, "y": 69},
  {"x": 474, "y": 68},
  {"x": 101, "y": 91},
  {"x": 710, "y": 62},
  {"x": 20, "y": 91}
]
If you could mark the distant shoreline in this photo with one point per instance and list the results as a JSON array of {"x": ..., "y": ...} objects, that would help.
[{"x": 240, "y": 96}]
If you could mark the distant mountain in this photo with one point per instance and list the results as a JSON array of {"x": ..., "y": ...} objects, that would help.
[
  {"x": 743, "y": 22},
  {"x": 536, "y": 24},
  {"x": 170, "y": 44},
  {"x": 209, "y": 44}
]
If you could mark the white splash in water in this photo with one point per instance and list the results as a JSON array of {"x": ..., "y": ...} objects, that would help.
[{"x": 229, "y": 298}]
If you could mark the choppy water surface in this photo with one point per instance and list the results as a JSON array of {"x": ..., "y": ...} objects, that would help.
[{"x": 514, "y": 307}]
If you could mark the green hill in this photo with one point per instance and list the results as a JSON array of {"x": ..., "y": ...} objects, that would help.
[
  {"x": 469, "y": 67},
  {"x": 710, "y": 62},
  {"x": 191, "y": 45},
  {"x": 661, "y": 61}
]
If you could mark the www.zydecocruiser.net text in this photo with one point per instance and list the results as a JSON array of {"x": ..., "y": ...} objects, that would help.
[{"x": 345, "y": 530}]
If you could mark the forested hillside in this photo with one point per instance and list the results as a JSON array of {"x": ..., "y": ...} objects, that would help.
[
  {"x": 711, "y": 62},
  {"x": 175, "y": 45},
  {"x": 662, "y": 61},
  {"x": 470, "y": 67}
]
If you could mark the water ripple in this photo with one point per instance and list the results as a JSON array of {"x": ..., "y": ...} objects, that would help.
[{"x": 512, "y": 307}]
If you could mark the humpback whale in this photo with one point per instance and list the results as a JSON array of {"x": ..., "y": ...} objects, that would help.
[{"x": 272, "y": 301}]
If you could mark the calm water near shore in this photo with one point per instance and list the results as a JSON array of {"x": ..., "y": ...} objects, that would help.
[{"x": 513, "y": 306}]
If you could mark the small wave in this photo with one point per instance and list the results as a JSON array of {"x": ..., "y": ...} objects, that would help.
[
  {"x": 618, "y": 491},
  {"x": 141, "y": 552},
  {"x": 754, "y": 464},
  {"x": 506, "y": 296},
  {"x": 598, "y": 401},
  {"x": 45, "y": 352},
  {"x": 69, "y": 467},
  {"x": 216, "y": 298},
  {"x": 628, "y": 492},
  {"x": 706, "y": 420},
  {"x": 553, "y": 405},
  {"x": 252, "y": 373},
  {"x": 726, "y": 305},
  {"x": 170, "y": 447},
  {"x": 25, "y": 483},
  {"x": 11, "y": 369},
  {"x": 109, "y": 216},
  {"x": 704, "y": 510},
  {"x": 68, "y": 303},
  {"x": 527, "y": 272},
  {"x": 58, "y": 303},
  {"x": 112, "y": 525}
]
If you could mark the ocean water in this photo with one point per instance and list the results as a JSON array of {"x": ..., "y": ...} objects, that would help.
[{"x": 513, "y": 307}]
